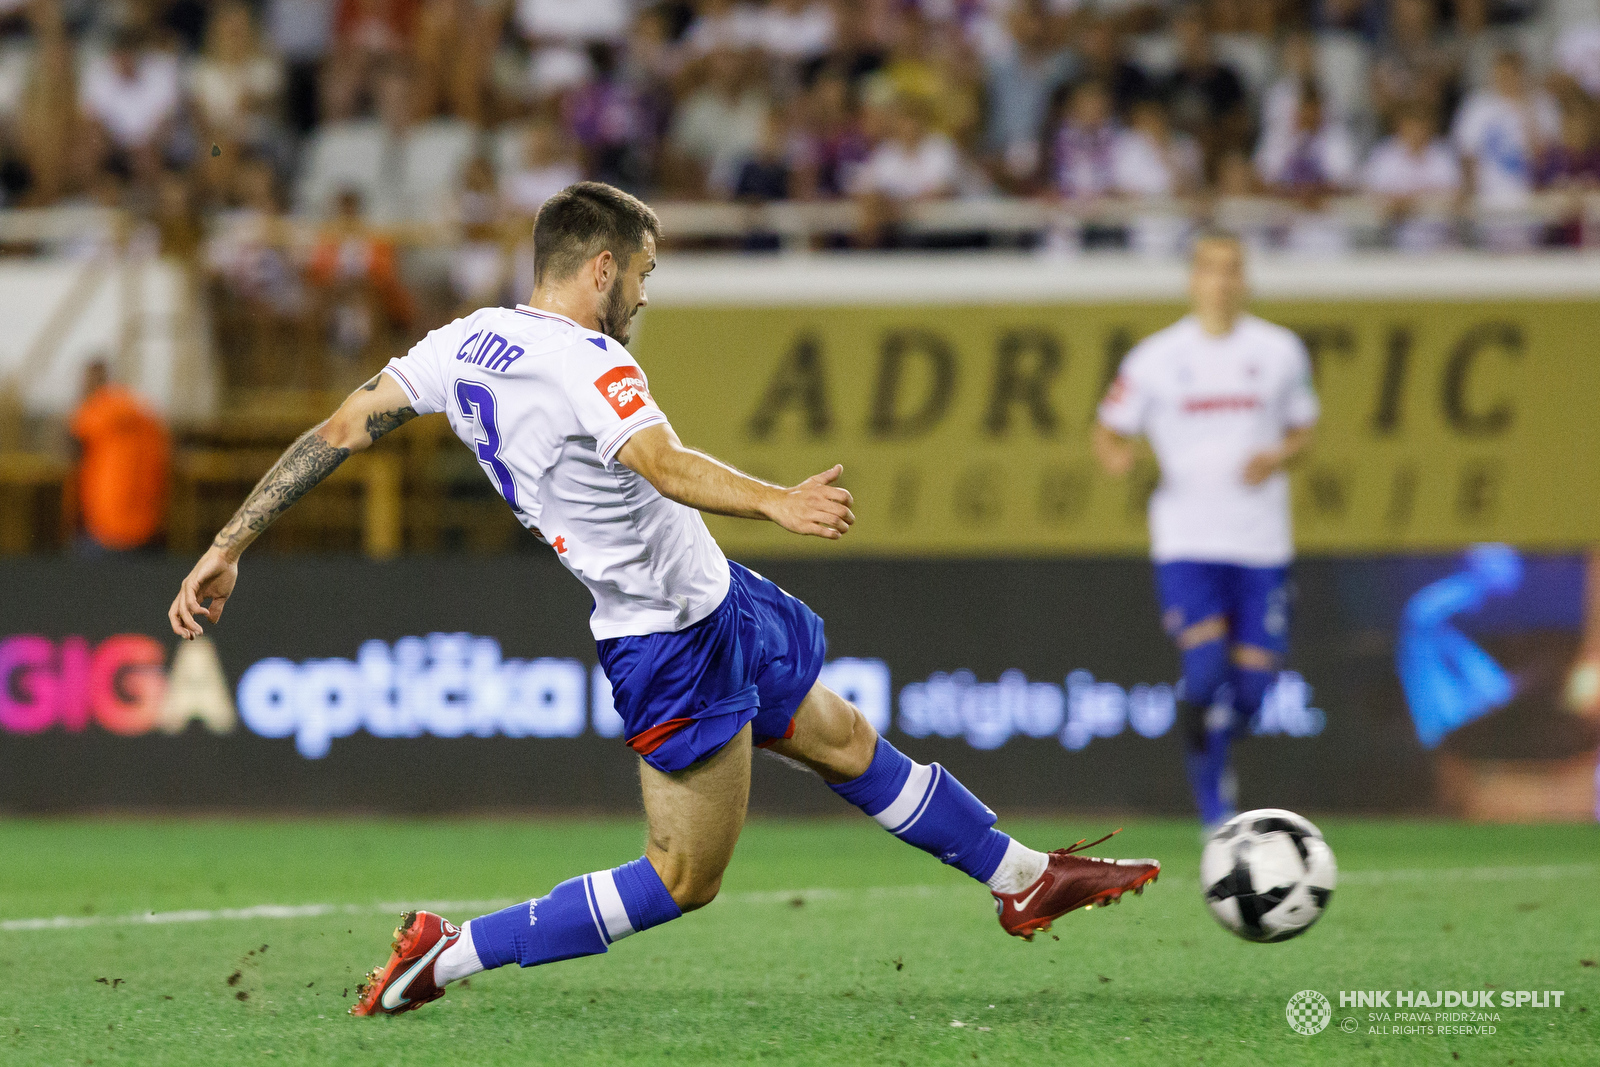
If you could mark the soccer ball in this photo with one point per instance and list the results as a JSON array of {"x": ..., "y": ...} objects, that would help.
[{"x": 1267, "y": 874}]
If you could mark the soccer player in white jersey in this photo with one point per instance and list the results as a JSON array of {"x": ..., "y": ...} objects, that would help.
[
  {"x": 1225, "y": 400},
  {"x": 706, "y": 659}
]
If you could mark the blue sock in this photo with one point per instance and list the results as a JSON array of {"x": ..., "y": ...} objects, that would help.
[
  {"x": 1210, "y": 777},
  {"x": 1205, "y": 751},
  {"x": 1249, "y": 690},
  {"x": 928, "y": 808},
  {"x": 579, "y": 917},
  {"x": 1205, "y": 670}
]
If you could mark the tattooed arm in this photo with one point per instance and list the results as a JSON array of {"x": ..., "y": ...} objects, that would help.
[{"x": 366, "y": 415}]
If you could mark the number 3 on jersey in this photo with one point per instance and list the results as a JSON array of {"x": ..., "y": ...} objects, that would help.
[{"x": 477, "y": 404}]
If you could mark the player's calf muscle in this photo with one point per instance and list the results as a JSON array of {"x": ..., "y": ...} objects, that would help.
[
  {"x": 695, "y": 817},
  {"x": 691, "y": 884},
  {"x": 831, "y": 737}
]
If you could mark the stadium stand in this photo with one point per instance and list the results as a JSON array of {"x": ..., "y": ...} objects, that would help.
[{"x": 322, "y": 180}]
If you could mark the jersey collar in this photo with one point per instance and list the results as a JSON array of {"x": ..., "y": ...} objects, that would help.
[{"x": 542, "y": 314}]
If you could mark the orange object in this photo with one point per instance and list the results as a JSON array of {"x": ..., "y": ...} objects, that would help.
[
  {"x": 122, "y": 477},
  {"x": 369, "y": 258}
]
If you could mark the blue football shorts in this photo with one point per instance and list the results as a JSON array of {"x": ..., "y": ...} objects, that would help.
[
  {"x": 684, "y": 695},
  {"x": 1253, "y": 600}
]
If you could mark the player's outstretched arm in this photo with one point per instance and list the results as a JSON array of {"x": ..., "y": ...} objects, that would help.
[
  {"x": 366, "y": 415},
  {"x": 1115, "y": 452},
  {"x": 816, "y": 506}
]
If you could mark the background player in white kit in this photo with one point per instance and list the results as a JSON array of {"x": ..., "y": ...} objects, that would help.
[
  {"x": 1226, "y": 401},
  {"x": 705, "y": 657}
]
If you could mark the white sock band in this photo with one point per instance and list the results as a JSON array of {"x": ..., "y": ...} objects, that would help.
[
  {"x": 458, "y": 961},
  {"x": 912, "y": 800},
  {"x": 1019, "y": 868}
]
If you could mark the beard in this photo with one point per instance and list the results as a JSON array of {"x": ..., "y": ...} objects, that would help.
[{"x": 615, "y": 315}]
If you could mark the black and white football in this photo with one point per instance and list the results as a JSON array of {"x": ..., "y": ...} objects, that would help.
[{"x": 1267, "y": 874}]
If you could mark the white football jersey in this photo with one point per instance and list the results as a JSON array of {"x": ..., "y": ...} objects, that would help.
[
  {"x": 1207, "y": 404},
  {"x": 546, "y": 405}
]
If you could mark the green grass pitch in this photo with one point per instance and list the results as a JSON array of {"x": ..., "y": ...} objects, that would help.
[{"x": 832, "y": 944}]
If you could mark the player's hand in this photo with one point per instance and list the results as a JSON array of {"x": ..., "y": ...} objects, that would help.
[
  {"x": 816, "y": 506},
  {"x": 1115, "y": 452},
  {"x": 1262, "y": 466},
  {"x": 212, "y": 577},
  {"x": 1118, "y": 462}
]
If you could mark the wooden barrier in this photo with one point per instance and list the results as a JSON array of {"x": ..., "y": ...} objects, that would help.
[
  {"x": 25, "y": 478},
  {"x": 374, "y": 476},
  {"x": 33, "y": 490}
]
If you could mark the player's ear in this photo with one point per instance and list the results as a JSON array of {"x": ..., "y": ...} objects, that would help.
[{"x": 605, "y": 266}]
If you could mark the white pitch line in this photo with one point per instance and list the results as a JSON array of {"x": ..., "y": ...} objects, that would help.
[
  {"x": 1547, "y": 872},
  {"x": 1468, "y": 874}
]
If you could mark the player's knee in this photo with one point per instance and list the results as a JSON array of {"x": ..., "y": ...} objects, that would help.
[{"x": 1253, "y": 658}]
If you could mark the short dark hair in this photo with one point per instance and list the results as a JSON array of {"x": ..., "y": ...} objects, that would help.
[{"x": 585, "y": 219}]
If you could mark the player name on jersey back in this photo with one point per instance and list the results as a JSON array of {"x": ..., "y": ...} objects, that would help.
[
  {"x": 1207, "y": 405},
  {"x": 490, "y": 351},
  {"x": 546, "y": 405}
]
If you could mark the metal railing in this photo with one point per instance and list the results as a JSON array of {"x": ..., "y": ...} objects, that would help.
[{"x": 803, "y": 224}]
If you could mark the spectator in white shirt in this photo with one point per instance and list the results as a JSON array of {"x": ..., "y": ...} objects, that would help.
[
  {"x": 912, "y": 163},
  {"x": 1500, "y": 132},
  {"x": 1577, "y": 53},
  {"x": 549, "y": 165},
  {"x": 1317, "y": 157},
  {"x": 234, "y": 85},
  {"x": 301, "y": 32},
  {"x": 1083, "y": 167},
  {"x": 480, "y": 261},
  {"x": 1085, "y": 144},
  {"x": 716, "y": 125},
  {"x": 1021, "y": 76},
  {"x": 1150, "y": 160},
  {"x": 1417, "y": 175},
  {"x": 131, "y": 95},
  {"x": 1280, "y": 104},
  {"x": 795, "y": 30},
  {"x": 722, "y": 24},
  {"x": 573, "y": 22},
  {"x": 251, "y": 251},
  {"x": 1316, "y": 161},
  {"x": 558, "y": 32}
]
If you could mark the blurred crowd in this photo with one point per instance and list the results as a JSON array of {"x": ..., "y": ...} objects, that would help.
[
  {"x": 343, "y": 173},
  {"x": 219, "y": 119}
]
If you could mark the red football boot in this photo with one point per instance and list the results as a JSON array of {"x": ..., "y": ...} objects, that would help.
[
  {"x": 1070, "y": 882},
  {"x": 407, "y": 982}
]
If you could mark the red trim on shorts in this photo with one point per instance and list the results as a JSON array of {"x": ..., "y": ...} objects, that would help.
[
  {"x": 769, "y": 742},
  {"x": 647, "y": 741}
]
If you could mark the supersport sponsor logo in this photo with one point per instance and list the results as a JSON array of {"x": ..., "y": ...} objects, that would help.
[
  {"x": 624, "y": 389},
  {"x": 1202, "y": 404}
]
